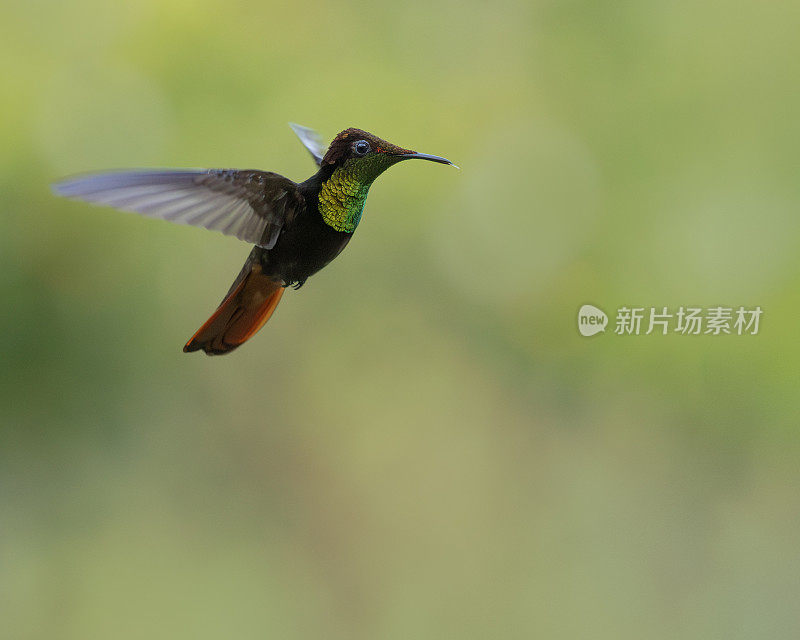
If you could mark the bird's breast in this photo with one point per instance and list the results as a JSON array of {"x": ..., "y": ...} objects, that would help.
[{"x": 304, "y": 248}]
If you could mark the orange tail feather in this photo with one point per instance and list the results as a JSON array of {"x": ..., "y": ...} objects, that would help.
[{"x": 243, "y": 312}]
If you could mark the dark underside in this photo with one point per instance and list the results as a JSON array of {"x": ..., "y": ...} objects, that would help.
[{"x": 306, "y": 244}]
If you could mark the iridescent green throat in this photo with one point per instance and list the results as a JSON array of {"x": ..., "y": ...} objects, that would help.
[{"x": 343, "y": 195}]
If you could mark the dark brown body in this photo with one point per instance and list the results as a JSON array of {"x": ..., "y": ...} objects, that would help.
[{"x": 305, "y": 245}]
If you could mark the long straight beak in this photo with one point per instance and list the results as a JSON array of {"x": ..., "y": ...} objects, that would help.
[{"x": 425, "y": 156}]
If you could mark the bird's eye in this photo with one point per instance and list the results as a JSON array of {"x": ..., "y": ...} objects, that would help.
[{"x": 361, "y": 148}]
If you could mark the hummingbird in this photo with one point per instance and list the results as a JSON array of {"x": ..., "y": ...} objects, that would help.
[{"x": 297, "y": 228}]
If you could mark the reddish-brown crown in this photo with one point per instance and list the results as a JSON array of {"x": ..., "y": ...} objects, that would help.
[{"x": 341, "y": 146}]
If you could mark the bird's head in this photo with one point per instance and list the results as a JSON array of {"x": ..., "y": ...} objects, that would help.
[
  {"x": 366, "y": 156},
  {"x": 349, "y": 167}
]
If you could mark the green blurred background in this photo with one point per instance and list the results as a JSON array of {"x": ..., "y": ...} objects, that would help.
[{"x": 419, "y": 444}]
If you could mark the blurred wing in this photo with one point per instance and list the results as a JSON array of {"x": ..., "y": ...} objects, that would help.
[
  {"x": 249, "y": 205},
  {"x": 311, "y": 140}
]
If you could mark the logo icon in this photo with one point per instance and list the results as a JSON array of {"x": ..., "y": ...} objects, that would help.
[{"x": 591, "y": 320}]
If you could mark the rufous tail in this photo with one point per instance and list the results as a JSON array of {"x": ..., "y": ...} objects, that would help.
[{"x": 249, "y": 304}]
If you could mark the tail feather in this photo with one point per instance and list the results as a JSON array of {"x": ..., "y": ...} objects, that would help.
[{"x": 246, "y": 309}]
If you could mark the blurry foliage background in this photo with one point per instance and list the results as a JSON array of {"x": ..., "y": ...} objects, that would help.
[{"x": 419, "y": 444}]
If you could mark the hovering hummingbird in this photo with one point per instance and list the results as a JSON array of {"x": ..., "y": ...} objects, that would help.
[{"x": 297, "y": 229}]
